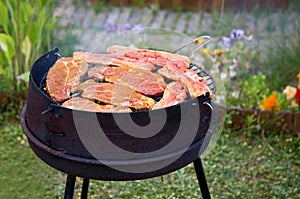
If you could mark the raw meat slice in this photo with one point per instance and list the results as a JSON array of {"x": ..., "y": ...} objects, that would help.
[
  {"x": 174, "y": 94},
  {"x": 77, "y": 68},
  {"x": 174, "y": 67},
  {"x": 79, "y": 103},
  {"x": 195, "y": 85},
  {"x": 117, "y": 95},
  {"x": 80, "y": 59},
  {"x": 109, "y": 74},
  {"x": 56, "y": 81},
  {"x": 142, "y": 81},
  {"x": 86, "y": 84},
  {"x": 159, "y": 58},
  {"x": 64, "y": 76},
  {"x": 118, "y": 49},
  {"x": 118, "y": 60}
]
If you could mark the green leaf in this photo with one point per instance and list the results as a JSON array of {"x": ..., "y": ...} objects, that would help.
[
  {"x": 24, "y": 77},
  {"x": 7, "y": 45},
  {"x": 3, "y": 16},
  {"x": 26, "y": 49},
  {"x": 26, "y": 46},
  {"x": 32, "y": 33},
  {"x": 26, "y": 14}
]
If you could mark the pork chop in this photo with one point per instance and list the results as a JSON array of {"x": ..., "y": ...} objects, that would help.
[
  {"x": 142, "y": 81},
  {"x": 64, "y": 76},
  {"x": 79, "y": 103},
  {"x": 195, "y": 84},
  {"x": 174, "y": 94},
  {"x": 117, "y": 95}
]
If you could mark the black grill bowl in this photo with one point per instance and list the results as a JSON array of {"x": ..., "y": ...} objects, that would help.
[{"x": 53, "y": 135}]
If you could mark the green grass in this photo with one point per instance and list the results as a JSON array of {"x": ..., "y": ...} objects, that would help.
[
  {"x": 242, "y": 165},
  {"x": 22, "y": 174}
]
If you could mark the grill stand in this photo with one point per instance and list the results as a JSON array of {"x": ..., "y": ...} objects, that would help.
[
  {"x": 69, "y": 189},
  {"x": 63, "y": 162}
]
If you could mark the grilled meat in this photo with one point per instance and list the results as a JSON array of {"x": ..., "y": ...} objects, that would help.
[
  {"x": 79, "y": 103},
  {"x": 118, "y": 49},
  {"x": 117, "y": 95},
  {"x": 174, "y": 94},
  {"x": 159, "y": 58},
  {"x": 195, "y": 85},
  {"x": 118, "y": 60},
  {"x": 63, "y": 77},
  {"x": 142, "y": 81},
  {"x": 126, "y": 79}
]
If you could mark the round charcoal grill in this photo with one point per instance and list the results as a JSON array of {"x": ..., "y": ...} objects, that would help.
[{"x": 53, "y": 135}]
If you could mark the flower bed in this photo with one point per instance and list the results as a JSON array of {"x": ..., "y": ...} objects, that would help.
[
  {"x": 268, "y": 121},
  {"x": 252, "y": 99},
  {"x": 273, "y": 114}
]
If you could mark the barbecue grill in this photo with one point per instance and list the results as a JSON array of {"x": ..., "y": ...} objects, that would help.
[{"x": 54, "y": 135}]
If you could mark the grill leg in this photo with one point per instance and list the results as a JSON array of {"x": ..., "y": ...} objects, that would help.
[
  {"x": 85, "y": 188},
  {"x": 201, "y": 179},
  {"x": 69, "y": 190}
]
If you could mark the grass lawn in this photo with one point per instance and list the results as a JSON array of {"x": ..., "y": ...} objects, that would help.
[
  {"x": 242, "y": 165},
  {"x": 22, "y": 174}
]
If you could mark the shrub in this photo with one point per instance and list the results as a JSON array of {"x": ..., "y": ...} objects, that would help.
[
  {"x": 283, "y": 60},
  {"x": 25, "y": 33}
]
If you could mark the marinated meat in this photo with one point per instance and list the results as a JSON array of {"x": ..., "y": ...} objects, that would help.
[
  {"x": 57, "y": 80},
  {"x": 86, "y": 84},
  {"x": 109, "y": 74},
  {"x": 79, "y": 103},
  {"x": 128, "y": 77},
  {"x": 64, "y": 76},
  {"x": 118, "y": 60},
  {"x": 77, "y": 68},
  {"x": 159, "y": 58},
  {"x": 117, "y": 95},
  {"x": 142, "y": 81},
  {"x": 195, "y": 85},
  {"x": 118, "y": 49},
  {"x": 174, "y": 94},
  {"x": 80, "y": 59}
]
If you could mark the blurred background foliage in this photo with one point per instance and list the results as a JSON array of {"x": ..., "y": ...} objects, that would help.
[{"x": 25, "y": 33}]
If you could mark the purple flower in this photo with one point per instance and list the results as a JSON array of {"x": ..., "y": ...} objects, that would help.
[
  {"x": 109, "y": 27},
  {"x": 237, "y": 33},
  {"x": 138, "y": 28},
  {"x": 127, "y": 27},
  {"x": 226, "y": 41}
]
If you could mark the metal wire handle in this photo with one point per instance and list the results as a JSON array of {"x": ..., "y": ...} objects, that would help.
[{"x": 193, "y": 42}]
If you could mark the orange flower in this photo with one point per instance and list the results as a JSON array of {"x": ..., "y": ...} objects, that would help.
[
  {"x": 298, "y": 76},
  {"x": 270, "y": 103},
  {"x": 218, "y": 52}
]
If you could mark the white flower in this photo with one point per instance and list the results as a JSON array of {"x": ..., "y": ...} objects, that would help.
[
  {"x": 235, "y": 94},
  {"x": 290, "y": 92},
  {"x": 232, "y": 73},
  {"x": 223, "y": 76}
]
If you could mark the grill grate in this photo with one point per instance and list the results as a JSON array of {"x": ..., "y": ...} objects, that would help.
[{"x": 203, "y": 73}]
